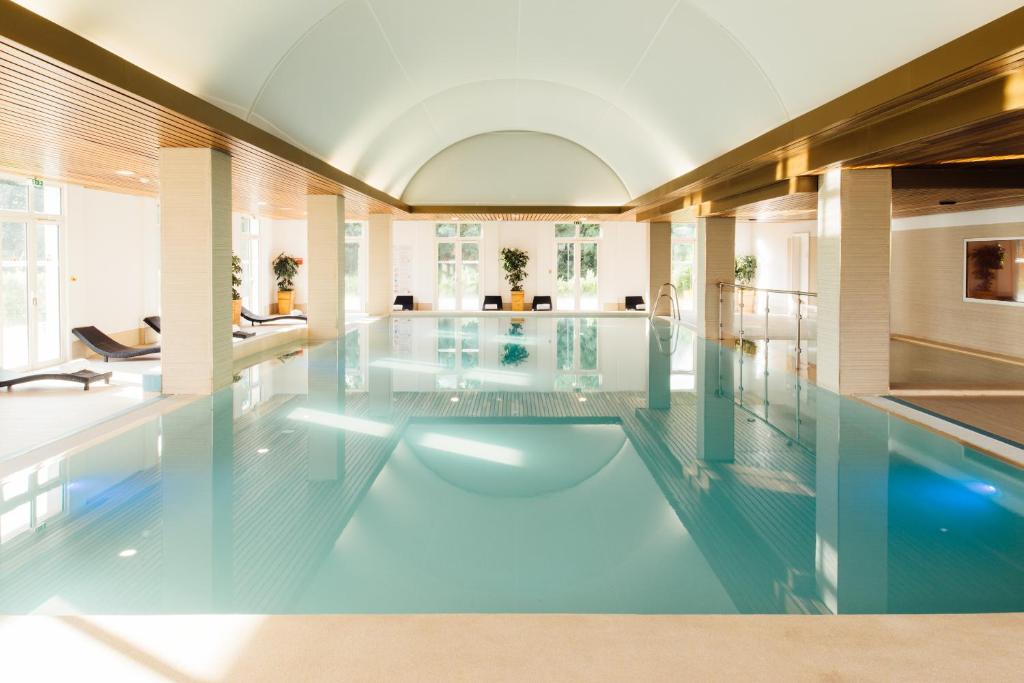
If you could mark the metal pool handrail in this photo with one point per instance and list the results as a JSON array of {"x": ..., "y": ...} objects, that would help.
[{"x": 673, "y": 302}]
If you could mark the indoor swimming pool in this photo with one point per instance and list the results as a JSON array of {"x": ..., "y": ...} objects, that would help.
[{"x": 515, "y": 464}]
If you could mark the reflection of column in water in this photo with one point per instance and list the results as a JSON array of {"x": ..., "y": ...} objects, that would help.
[
  {"x": 197, "y": 473},
  {"x": 851, "y": 505},
  {"x": 659, "y": 365},
  {"x": 716, "y": 411},
  {"x": 380, "y": 378},
  {"x": 325, "y": 443}
]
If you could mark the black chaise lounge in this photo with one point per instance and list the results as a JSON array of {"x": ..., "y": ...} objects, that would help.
[
  {"x": 635, "y": 303},
  {"x": 403, "y": 302},
  {"x": 83, "y": 377},
  {"x": 542, "y": 303},
  {"x": 492, "y": 303},
  {"x": 254, "y": 318},
  {"x": 154, "y": 322},
  {"x": 109, "y": 348}
]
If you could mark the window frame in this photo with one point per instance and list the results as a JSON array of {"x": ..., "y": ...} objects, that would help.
[{"x": 458, "y": 240}]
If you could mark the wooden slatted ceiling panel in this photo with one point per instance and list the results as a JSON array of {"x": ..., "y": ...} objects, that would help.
[{"x": 59, "y": 124}]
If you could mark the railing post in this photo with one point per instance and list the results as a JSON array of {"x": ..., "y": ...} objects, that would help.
[{"x": 721, "y": 295}]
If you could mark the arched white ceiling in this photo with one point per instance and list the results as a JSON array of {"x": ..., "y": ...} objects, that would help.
[
  {"x": 516, "y": 167},
  {"x": 652, "y": 87}
]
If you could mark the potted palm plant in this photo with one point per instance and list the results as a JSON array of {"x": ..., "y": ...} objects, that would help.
[
  {"x": 987, "y": 258},
  {"x": 285, "y": 269},
  {"x": 514, "y": 262},
  {"x": 236, "y": 296}
]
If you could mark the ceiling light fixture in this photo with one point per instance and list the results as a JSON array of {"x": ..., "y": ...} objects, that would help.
[
  {"x": 947, "y": 202},
  {"x": 125, "y": 174},
  {"x": 144, "y": 180}
]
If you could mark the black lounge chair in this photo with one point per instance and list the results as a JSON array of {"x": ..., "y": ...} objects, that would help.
[
  {"x": 492, "y": 301},
  {"x": 255, "y": 318},
  {"x": 83, "y": 377},
  {"x": 635, "y": 303},
  {"x": 403, "y": 300},
  {"x": 542, "y": 301},
  {"x": 154, "y": 322},
  {"x": 109, "y": 348}
]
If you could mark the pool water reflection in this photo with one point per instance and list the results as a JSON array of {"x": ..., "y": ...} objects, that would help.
[{"x": 534, "y": 464}]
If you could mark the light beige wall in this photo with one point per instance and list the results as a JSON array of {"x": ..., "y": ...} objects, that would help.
[{"x": 927, "y": 288}]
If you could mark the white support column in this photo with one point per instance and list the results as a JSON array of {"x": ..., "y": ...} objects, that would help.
[
  {"x": 378, "y": 262},
  {"x": 716, "y": 262},
  {"x": 716, "y": 411},
  {"x": 195, "y": 277},
  {"x": 325, "y": 226},
  {"x": 659, "y": 250},
  {"x": 854, "y": 222}
]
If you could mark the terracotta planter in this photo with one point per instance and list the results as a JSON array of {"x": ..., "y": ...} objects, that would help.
[
  {"x": 285, "y": 302},
  {"x": 236, "y": 311},
  {"x": 518, "y": 301}
]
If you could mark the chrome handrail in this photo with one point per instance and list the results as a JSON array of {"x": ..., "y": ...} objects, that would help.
[{"x": 673, "y": 302}]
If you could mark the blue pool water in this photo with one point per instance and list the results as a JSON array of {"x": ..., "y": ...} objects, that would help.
[{"x": 493, "y": 464}]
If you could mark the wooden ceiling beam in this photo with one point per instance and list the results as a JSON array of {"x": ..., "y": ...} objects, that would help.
[{"x": 958, "y": 177}]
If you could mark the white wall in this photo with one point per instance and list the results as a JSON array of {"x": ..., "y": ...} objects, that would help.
[
  {"x": 622, "y": 258},
  {"x": 112, "y": 260},
  {"x": 769, "y": 242}
]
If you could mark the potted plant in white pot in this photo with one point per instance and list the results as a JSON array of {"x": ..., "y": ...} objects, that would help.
[
  {"x": 236, "y": 296},
  {"x": 514, "y": 262},
  {"x": 285, "y": 269}
]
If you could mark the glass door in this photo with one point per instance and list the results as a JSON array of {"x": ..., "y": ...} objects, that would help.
[
  {"x": 458, "y": 266},
  {"x": 576, "y": 262},
  {"x": 30, "y": 294}
]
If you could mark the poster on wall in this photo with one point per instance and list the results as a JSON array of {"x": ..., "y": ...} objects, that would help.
[{"x": 402, "y": 274}]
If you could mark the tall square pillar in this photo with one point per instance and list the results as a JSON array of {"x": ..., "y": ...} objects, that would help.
[
  {"x": 195, "y": 277},
  {"x": 325, "y": 226},
  {"x": 854, "y": 223},
  {"x": 716, "y": 262},
  {"x": 659, "y": 250},
  {"x": 378, "y": 263}
]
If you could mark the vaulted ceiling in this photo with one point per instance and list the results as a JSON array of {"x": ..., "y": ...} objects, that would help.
[{"x": 652, "y": 88}]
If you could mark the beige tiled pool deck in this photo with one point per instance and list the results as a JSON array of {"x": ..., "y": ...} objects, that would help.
[{"x": 514, "y": 648}]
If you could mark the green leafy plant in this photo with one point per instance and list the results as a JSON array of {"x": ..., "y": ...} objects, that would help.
[
  {"x": 988, "y": 259},
  {"x": 285, "y": 269},
  {"x": 514, "y": 262},
  {"x": 514, "y": 354},
  {"x": 236, "y": 277},
  {"x": 746, "y": 269}
]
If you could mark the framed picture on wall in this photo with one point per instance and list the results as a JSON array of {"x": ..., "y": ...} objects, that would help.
[{"x": 994, "y": 270}]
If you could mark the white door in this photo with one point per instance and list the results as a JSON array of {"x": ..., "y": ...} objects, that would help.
[{"x": 576, "y": 276}]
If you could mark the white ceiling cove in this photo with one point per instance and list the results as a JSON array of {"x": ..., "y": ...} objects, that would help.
[{"x": 653, "y": 88}]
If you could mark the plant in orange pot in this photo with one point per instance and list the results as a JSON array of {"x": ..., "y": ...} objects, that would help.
[
  {"x": 285, "y": 269},
  {"x": 236, "y": 296},
  {"x": 514, "y": 262}
]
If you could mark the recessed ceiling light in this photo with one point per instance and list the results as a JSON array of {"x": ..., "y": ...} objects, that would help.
[
  {"x": 947, "y": 202},
  {"x": 125, "y": 173},
  {"x": 262, "y": 203},
  {"x": 144, "y": 181}
]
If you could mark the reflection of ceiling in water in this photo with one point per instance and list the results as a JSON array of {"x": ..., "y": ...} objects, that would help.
[{"x": 514, "y": 459}]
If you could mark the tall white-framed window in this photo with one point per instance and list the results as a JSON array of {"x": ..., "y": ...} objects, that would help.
[
  {"x": 355, "y": 268},
  {"x": 31, "y": 273},
  {"x": 577, "y": 363},
  {"x": 684, "y": 255},
  {"x": 251, "y": 264},
  {"x": 31, "y": 497},
  {"x": 458, "y": 266},
  {"x": 576, "y": 261}
]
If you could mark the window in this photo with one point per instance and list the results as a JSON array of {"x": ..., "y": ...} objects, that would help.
[
  {"x": 684, "y": 249},
  {"x": 355, "y": 357},
  {"x": 458, "y": 266},
  {"x": 251, "y": 264},
  {"x": 355, "y": 254},
  {"x": 576, "y": 250},
  {"x": 458, "y": 351},
  {"x": 31, "y": 259},
  {"x": 994, "y": 270},
  {"x": 576, "y": 359}
]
